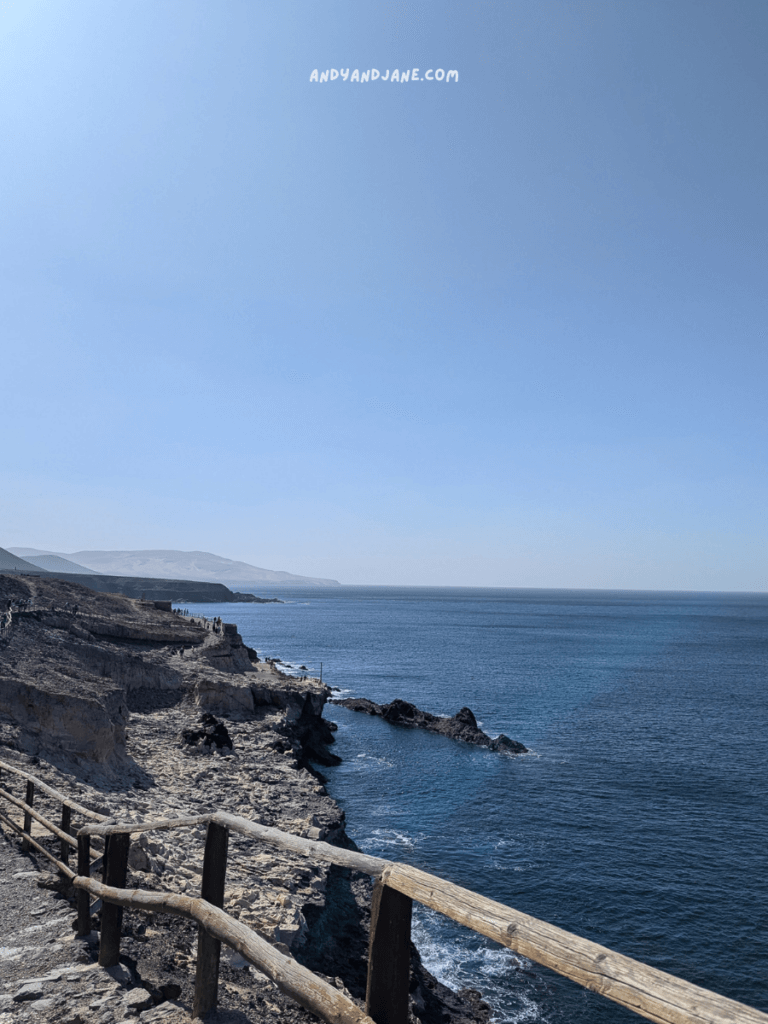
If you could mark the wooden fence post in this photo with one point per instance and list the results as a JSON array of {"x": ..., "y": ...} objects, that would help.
[
  {"x": 115, "y": 871},
  {"x": 83, "y": 896},
  {"x": 66, "y": 821},
  {"x": 208, "y": 948},
  {"x": 29, "y": 799},
  {"x": 389, "y": 956}
]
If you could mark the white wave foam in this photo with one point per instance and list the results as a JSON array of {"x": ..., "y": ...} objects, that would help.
[
  {"x": 389, "y": 812},
  {"x": 501, "y": 844},
  {"x": 528, "y": 1011},
  {"x": 372, "y": 759},
  {"x": 494, "y": 971},
  {"x": 391, "y": 837}
]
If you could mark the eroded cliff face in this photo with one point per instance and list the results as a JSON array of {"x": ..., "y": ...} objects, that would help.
[
  {"x": 107, "y": 694},
  {"x": 70, "y": 658}
]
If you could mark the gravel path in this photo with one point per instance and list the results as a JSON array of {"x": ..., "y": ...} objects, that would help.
[
  {"x": 36, "y": 933},
  {"x": 46, "y": 972}
]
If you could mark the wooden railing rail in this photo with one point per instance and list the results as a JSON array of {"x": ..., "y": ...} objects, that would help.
[
  {"x": 50, "y": 791},
  {"x": 651, "y": 993},
  {"x": 32, "y": 813},
  {"x": 252, "y": 829},
  {"x": 63, "y": 868},
  {"x": 294, "y": 979},
  {"x": 111, "y": 828},
  {"x": 308, "y": 847},
  {"x": 647, "y": 991}
]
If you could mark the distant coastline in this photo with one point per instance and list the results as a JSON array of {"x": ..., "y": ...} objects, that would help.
[
  {"x": 199, "y": 577},
  {"x": 187, "y": 591},
  {"x": 166, "y": 564}
]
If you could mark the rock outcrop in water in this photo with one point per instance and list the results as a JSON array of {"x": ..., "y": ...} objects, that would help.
[{"x": 462, "y": 726}]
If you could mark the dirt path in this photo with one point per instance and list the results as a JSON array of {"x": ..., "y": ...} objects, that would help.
[
  {"x": 46, "y": 973},
  {"x": 35, "y": 924}
]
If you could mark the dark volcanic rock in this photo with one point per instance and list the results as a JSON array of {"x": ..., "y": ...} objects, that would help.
[
  {"x": 315, "y": 735},
  {"x": 337, "y": 945},
  {"x": 462, "y": 726},
  {"x": 212, "y": 733}
]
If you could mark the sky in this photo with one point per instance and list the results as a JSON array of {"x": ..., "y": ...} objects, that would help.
[{"x": 506, "y": 330}]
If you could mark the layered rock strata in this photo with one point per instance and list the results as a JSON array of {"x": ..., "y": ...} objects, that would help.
[
  {"x": 69, "y": 659},
  {"x": 461, "y": 726}
]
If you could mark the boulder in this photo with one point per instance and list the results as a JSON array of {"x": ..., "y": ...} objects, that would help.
[{"x": 212, "y": 733}]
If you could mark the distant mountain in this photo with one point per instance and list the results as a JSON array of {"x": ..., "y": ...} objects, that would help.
[
  {"x": 8, "y": 560},
  {"x": 179, "y": 565},
  {"x": 55, "y": 563}
]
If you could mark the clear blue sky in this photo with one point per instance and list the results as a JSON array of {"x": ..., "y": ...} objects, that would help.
[{"x": 509, "y": 331}]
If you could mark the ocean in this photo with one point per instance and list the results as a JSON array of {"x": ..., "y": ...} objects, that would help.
[{"x": 639, "y": 818}]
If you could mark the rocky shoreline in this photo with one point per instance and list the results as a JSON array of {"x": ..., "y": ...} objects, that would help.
[{"x": 140, "y": 713}]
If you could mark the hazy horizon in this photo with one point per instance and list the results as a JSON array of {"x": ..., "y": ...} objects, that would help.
[
  {"x": 333, "y": 584},
  {"x": 503, "y": 330}
]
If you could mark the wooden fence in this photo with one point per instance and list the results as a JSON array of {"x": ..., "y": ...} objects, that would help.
[{"x": 648, "y": 992}]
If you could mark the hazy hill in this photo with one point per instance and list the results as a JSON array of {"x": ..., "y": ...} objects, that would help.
[
  {"x": 55, "y": 563},
  {"x": 26, "y": 552},
  {"x": 8, "y": 560},
  {"x": 180, "y": 565}
]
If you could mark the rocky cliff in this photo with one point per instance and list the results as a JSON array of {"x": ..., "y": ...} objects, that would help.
[
  {"x": 69, "y": 657},
  {"x": 141, "y": 713}
]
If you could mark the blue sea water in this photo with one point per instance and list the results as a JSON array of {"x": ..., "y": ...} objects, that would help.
[{"x": 639, "y": 819}]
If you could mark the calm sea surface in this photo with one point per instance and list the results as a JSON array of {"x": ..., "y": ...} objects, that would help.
[{"x": 639, "y": 819}]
